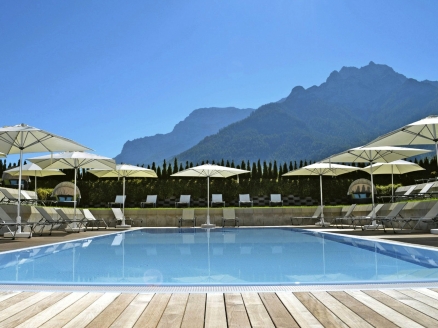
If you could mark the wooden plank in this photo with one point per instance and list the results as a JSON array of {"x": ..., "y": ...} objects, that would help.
[
  {"x": 31, "y": 311},
  {"x": 417, "y": 301},
  {"x": 92, "y": 311},
  {"x": 278, "y": 313},
  {"x": 428, "y": 292},
  {"x": 325, "y": 316},
  {"x": 42, "y": 317},
  {"x": 153, "y": 312},
  {"x": 14, "y": 299},
  {"x": 132, "y": 312},
  {"x": 397, "y": 318},
  {"x": 236, "y": 312},
  {"x": 195, "y": 311},
  {"x": 22, "y": 305},
  {"x": 257, "y": 313},
  {"x": 5, "y": 295},
  {"x": 215, "y": 315},
  {"x": 417, "y": 311},
  {"x": 298, "y": 311},
  {"x": 174, "y": 312},
  {"x": 111, "y": 313},
  {"x": 366, "y": 313},
  {"x": 420, "y": 297},
  {"x": 72, "y": 311},
  {"x": 350, "y": 318}
]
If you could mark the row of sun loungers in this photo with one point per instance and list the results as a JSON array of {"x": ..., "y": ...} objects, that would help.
[
  {"x": 188, "y": 215},
  {"x": 184, "y": 200}
]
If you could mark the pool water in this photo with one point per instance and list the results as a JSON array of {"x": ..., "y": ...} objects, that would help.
[{"x": 233, "y": 256}]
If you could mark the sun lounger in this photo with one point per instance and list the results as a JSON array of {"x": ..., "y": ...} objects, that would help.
[
  {"x": 244, "y": 199},
  {"x": 314, "y": 217},
  {"x": 276, "y": 200},
  {"x": 424, "y": 192},
  {"x": 217, "y": 199},
  {"x": 150, "y": 200},
  {"x": 229, "y": 214},
  {"x": 391, "y": 217},
  {"x": 188, "y": 214},
  {"x": 9, "y": 223},
  {"x": 52, "y": 220},
  {"x": 359, "y": 220},
  {"x": 339, "y": 222},
  {"x": 119, "y": 216},
  {"x": 120, "y": 200},
  {"x": 183, "y": 200},
  {"x": 91, "y": 219},
  {"x": 73, "y": 225},
  {"x": 430, "y": 217},
  {"x": 8, "y": 198}
]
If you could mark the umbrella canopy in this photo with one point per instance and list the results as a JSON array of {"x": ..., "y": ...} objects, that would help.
[
  {"x": 421, "y": 132},
  {"x": 22, "y": 138},
  {"x": 383, "y": 154},
  {"x": 321, "y": 169},
  {"x": 74, "y": 160},
  {"x": 2, "y": 155},
  {"x": 209, "y": 171},
  {"x": 397, "y": 167},
  {"x": 34, "y": 170},
  {"x": 124, "y": 171}
]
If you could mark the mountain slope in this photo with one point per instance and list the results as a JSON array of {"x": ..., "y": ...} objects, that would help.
[
  {"x": 354, "y": 106},
  {"x": 187, "y": 133}
]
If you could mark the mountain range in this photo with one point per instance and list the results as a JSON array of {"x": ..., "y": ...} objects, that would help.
[{"x": 352, "y": 107}]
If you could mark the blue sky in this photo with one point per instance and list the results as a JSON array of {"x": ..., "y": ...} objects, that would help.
[{"x": 104, "y": 72}]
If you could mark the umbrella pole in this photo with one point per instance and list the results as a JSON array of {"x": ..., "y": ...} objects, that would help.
[
  {"x": 123, "y": 204},
  {"x": 208, "y": 198},
  {"x": 392, "y": 182},
  {"x": 74, "y": 199},
  {"x": 322, "y": 203},
  {"x": 373, "y": 215},
  {"x": 19, "y": 190}
]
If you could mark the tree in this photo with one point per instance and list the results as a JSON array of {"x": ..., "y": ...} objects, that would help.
[{"x": 175, "y": 166}]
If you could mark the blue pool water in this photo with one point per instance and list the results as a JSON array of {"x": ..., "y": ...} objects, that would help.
[{"x": 242, "y": 256}]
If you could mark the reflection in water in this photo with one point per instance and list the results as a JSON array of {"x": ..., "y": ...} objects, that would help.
[{"x": 219, "y": 256}]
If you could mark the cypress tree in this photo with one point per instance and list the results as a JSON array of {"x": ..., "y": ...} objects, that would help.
[
  {"x": 232, "y": 164},
  {"x": 181, "y": 167},
  {"x": 295, "y": 165},
  {"x": 228, "y": 164},
  {"x": 254, "y": 171},
  {"x": 187, "y": 165},
  {"x": 164, "y": 172},
  {"x": 222, "y": 162},
  {"x": 265, "y": 174},
  {"x": 243, "y": 165},
  {"x": 159, "y": 172},
  {"x": 259, "y": 170},
  {"x": 175, "y": 166},
  {"x": 285, "y": 167},
  {"x": 169, "y": 170},
  {"x": 275, "y": 170}
]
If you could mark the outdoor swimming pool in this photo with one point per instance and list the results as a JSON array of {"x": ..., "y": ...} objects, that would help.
[{"x": 233, "y": 256}]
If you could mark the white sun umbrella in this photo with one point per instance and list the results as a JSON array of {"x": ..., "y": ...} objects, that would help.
[
  {"x": 22, "y": 138},
  {"x": 422, "y": 132},
  {"x": 326, "y": 169},
  {"x": 371, "y": 155},
  {"x": 124, "y": 171},
  {"x": 209, "y": 171},
  {"x": 35, "y": 171},
  {"x": 397, "y": 167},
  {"x": 74, "y": 160}
]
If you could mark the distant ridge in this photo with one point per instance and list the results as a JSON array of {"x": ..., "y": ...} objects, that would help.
[
  {"x": 187, "y": 133},
  {"x": 353, "y": 106}
]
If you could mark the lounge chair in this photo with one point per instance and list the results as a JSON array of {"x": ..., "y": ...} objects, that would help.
[
  {"x": 276, "y": 199},
  {"x": 424, "y": 192},
  {"x": 91, "y": 219},
  {"x": 217, "y": 199},
  {"x": 150, "y": 200},
  {"x": 8, "y": 198},
  {"x": 244, "y": 199},
  {"x": 31, "y": 198},
  {"x": 346, "y": 218},
  {"x": 49, "y": 220},
  {"x": 188, "y": 214},
  {"x": 120, "y": 200},
  {"x": 119, "y": 216},
  {"x": 430, "y": 217},
  {"x": 358, "y": 220},
  {"x": 229, "y": 214},
  {"x": 315, "y": 216},
  {"x": 407, "y": 194},
  {"x": 8, "y": 222},
  {"x": 183, "y": 200},
  {"x": 71, "y": 225},
  {"x": 392, "y": 216}
]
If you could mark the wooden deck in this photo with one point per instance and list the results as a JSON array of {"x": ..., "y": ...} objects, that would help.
[{"x": 416, "y": 307}]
